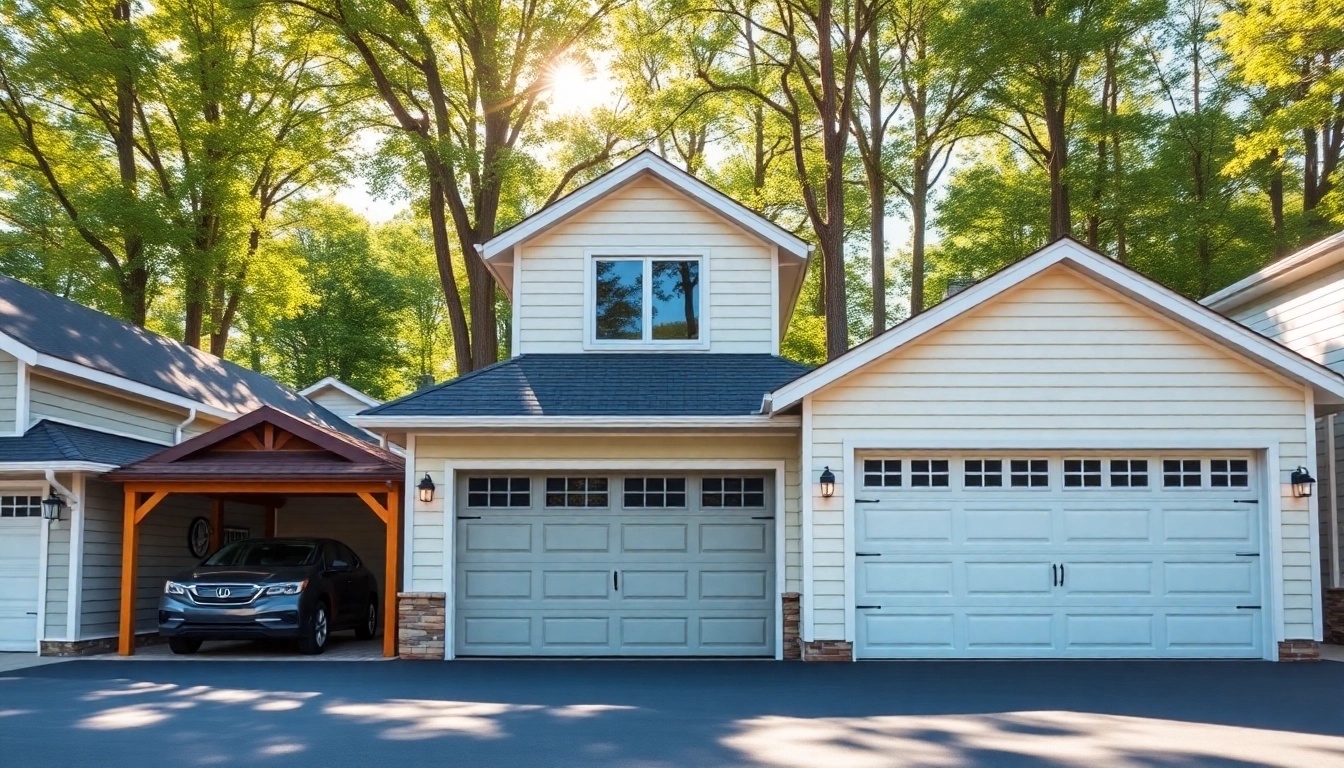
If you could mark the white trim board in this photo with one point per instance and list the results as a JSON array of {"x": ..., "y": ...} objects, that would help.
[
  {"x": 340, "y": 386},
  {"x": 451, "y": 468},
  {"x": 1202, "y": 321},
  {"x": 646, "y": 256},
  {"x": 602, "y": 424}
]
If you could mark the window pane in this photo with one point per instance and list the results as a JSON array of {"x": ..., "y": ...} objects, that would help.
[
  {"x": 620, "y": 299},
  {"x": 676, "y": 300}
]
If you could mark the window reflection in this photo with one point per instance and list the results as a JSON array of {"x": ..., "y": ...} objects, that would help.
[
  {"x": 620, "y": 299},
  {"x": 676, "y": 300}
]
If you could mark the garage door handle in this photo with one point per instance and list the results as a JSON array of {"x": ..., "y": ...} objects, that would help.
[
  {"x": 468, "y": 517},
  {"x": 867, "y": 554},
  {"x": 1061, "y": 574},
  {"x": 763, "y": 517},
  {"x": 1054, "y": 575},
  {"x": 1247, "y": 554},
  {"x": 1248, "y": 607},
  {"x": 862, "y": 607},
  {"x": 1245, "y": 501},
  {"x": 616, "y": 580}
]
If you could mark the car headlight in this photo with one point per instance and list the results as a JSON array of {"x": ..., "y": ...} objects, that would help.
[
  {"x": 287, "y": 588},
  {"x": 173, "y": 588}
]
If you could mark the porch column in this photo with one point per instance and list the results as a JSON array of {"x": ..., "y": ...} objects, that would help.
[
  {"x": 134, "y": 512},
  {"x": 392, "y": 572}
]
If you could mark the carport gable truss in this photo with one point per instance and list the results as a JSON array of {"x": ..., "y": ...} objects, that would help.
[{"x": 256, "y": 459}]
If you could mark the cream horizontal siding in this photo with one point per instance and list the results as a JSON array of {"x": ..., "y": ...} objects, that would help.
[
  {"x": 338, "y": 402},
  {"x": 1306, "y": 316},
  {"x": 433, "y": 453},
  {"x": 72, "y": 403},
  {"x": 549, "y": 307},
  {"x": 9, "y": 389},
  {"x": 1058, "y": 359}
]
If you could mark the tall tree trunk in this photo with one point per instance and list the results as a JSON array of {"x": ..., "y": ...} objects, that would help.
[
  {"x": 919, "y": 215},
  {"x": 831, "y": 234},
  {"x": 877, "y": 188},
  {"x": 1276, "y": 204},
  {"x": 1061, "y": 218},
  {"x": 457, "y": 320},
  {"x": 135, "y": 282}
]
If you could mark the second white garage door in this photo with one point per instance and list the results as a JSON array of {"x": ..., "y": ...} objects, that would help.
[
  {"x": 20, "y": 540},
  {"x": 601, "y": 564},
  {"x": 980, "y": 555}
]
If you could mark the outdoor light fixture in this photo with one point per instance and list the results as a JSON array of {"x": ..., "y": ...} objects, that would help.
[
  {"x": 426, "y": 488},
  {"x": 827, "y": 483},
  {"x": 1302, "y": 482},
  {"x": 52, "y": 506}
]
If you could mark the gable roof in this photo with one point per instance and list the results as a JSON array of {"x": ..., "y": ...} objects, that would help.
[
  {"x": 624, "y": 384},
  {"x": 1295, "y": 266},
  {"x": 48, "y": 331},
  {"x": 1329, "y": 385},
  {"x": 54, "y": 446},
  {"x": 340, "y": 456},
  {"x": 646, "y": 162},
  {"x": 331, "y": 382}
]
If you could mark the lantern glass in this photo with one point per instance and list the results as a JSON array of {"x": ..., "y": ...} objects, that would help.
[
  {"x": 52, "y": 506},
  {"x": 827, "y": 483},
  {"x": 1302, "y": 482},
  {"x": 426, "y": 489}
]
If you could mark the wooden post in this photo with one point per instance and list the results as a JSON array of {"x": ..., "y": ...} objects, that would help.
[
  {"x": 216, "y": 525},
  {"x": 130, "y": 540},
  {"x": 270, "y": 522},
  {"x": 393, "y": 569}
]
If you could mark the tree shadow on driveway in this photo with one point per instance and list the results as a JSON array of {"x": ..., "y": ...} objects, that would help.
[{"x": 674, "y": 713}]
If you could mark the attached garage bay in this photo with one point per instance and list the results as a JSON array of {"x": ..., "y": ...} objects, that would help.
[
  {"x": 615, "y": 564},
  {"x": 1035, "y": 554}
]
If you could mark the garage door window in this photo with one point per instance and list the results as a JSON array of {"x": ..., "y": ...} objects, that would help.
[
  {"x": 929, "y": 473},
  {"x": 1029, "y": 473},
  {"x": 1082, "y": 473},
  {"x": 20, "y": 506},
  {"x": 1229, "y": 473},
  {"x": 732, "y": 492},
  {"x": 983, "y": 473},
  {"x": 585, "y": 492},
  {"x": 1129, "y": 473},
  {"x": 1181, "y": 473},
  {"x": 655, "y": 492},
  {"x": 882, "y": 473},
  {"x": 501, "y": 492}
]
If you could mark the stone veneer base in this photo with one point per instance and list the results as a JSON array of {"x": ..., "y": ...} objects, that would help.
[
  {"x": 1299, "y": 650},
  {"x": 1334, "y": 616},
  {"x": 95, "y": 647},
  {"x": 828, "y": 650},
  {"x": 422, "y": 625},
  {"x": 792, "y": 603}
]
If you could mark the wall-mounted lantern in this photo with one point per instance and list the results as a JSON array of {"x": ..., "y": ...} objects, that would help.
[
  {"x": 1302, "y": 482},
  {"x": 52, "y": 506},
  {"x": 426, "y": 488},
  {"x": 827, "y": 483}
]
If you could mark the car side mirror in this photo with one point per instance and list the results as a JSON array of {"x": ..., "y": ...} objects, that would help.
[{"x": 339, "y": 565}]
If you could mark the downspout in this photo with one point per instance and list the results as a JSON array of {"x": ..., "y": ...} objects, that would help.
[
  {"x": 61, "y": 489},
  {"x": 44, "y": 555},
  {"x": 177, "y": 433},
  {"x": 1330, "y": 473}
]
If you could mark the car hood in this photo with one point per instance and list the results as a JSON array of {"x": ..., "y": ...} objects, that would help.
[{"x": 245, "y": 574}]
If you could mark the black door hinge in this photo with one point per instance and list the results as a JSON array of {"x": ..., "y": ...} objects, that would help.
[
  {"x": 867, "y": 554},
  {"x": 867, "y": 501},
  {"x": 1248, "y": 607},
  {"x": 763, "y": 517},
  {"x": 1245, "y": 501},
  {"x": 862, "y": 607},
  {"x": 468, "y": 517}
]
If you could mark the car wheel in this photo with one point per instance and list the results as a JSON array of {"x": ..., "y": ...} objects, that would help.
[
  {"x": 369, "y": 628},
  {"x": 319, "y": 628},
  {"x": 183, "y": 645}
]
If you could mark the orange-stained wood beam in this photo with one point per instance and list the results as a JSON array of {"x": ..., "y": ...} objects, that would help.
[
  {"x": 216, "y": 525},
  {"x": 253, "y": 441},
  {"x": 130, "y": 540},
  {"x": 390, "y": 579},
  {"x": 378, "y": 509},
  {"x": 280, "y": 440},
  {"x": 278, "y": 487},
  {"x": 149, "y": 505}
]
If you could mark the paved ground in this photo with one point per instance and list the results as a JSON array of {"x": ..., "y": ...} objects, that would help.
[
  {"x": 650, "y": 714},
  {"x": 340, "y": 647}
]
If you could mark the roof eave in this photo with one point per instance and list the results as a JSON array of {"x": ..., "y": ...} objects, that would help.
[
  {"x": 1318, "y": 255},
  {"x": 592, "y": 423}
]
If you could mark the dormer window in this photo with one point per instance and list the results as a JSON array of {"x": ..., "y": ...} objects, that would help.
[{"x": 646, "y": 301}]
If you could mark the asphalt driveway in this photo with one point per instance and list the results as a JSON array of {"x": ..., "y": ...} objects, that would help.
[{"x": 667, "y": 713}]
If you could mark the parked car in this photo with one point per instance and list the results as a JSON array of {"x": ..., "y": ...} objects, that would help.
[{"x": 303, "y": 589}]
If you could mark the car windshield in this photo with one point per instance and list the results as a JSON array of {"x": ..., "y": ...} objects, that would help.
[{"x": 262, "y": 552}]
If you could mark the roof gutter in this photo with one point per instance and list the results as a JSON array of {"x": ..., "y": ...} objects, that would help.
[
  {"x": 47, "y": 466},
  {"x": 597, "y": 423},
  {"x": 50, "y": 474}
]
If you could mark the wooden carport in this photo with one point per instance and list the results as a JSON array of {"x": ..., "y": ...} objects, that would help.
[{"x": 262, "y": 458}]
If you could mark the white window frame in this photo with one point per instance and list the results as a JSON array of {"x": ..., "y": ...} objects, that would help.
[
  {"x": 1150, "y": 473},
  {"x": 647, "y": 255},
  {"x": 1162, "y": 474},
  {"x": 1064, "y": 473}
]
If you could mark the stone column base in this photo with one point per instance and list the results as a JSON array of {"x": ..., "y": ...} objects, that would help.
[
  {"x": 792, "y": 618},
  {"x": 422, "y": 625},
  {"x": 828, "y": 650},
  {"x": 1334, "y": 616},
  {"x": 1299, "y": 650},
  {"x": 95, "y": 647}
]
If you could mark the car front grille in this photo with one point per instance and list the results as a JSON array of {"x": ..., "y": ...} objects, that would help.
[{"x": 224, "y": 594}]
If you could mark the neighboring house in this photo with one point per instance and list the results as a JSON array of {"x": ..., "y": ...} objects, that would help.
[
  {"x": 338, "y": 397},
  {"x": 1063, "y": 460},
  {"x": 82, "y": 393},
  {"x": 1299, "y": 302}
]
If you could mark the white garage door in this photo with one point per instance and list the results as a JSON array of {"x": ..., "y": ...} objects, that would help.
[
  {"x": 1058, "y": 555},
  {"x": 601, "y": 564},
  {"x": 20, "y": 538}
]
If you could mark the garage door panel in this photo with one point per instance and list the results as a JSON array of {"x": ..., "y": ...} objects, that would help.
[
  {"x": 656, "y": 631},
  {"x": 643, "y": 537},
  {"x": 498, "y": 537},
  {"x": 493, "y": 584},
  {"x": 576, "y": 537},
  {"x": 655, "y": 585},
  {"x": 720, "y": 585},
  {"x": 1106, "y": 560},
  {"x": 575, "y": 585},
  {"x": 733, "y": 538},
  {"x": 19, "y": 552},
  {"x": 497, "y": 631},
  {"x": 576, "y": 632},
  {"x": 722, "y": 633}
]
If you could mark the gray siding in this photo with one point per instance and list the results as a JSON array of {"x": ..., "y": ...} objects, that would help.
[
  {"x": 9, "y": 388},
  {"x": 163, "y": 551},
  {"x": 346, "y": 519},
  {"x": 100, "y": 410},
  {"x": 58, "y": 573}
]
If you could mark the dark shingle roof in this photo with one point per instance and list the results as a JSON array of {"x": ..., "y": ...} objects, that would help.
[
  {"x": 48, "y": 441},
  {"x": 614, "y": 384},
  {"x": 70, "y": 331}
]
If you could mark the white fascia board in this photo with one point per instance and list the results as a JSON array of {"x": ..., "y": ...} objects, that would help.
[
  {"x": 1167, "y": 302},
  {"x": 1316, "y": 256},
  {"x": 67, "y": 466},
  {"x": 125, "y": 385},
  {"x": 340, "y": 386},
  {"x": 19, "y": 350},
  {"x": 622, "y": 174},
  {"x": 422, "y": 424}
]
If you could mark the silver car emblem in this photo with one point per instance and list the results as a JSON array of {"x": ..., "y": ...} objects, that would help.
[{"x": 223, "y": 592}]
